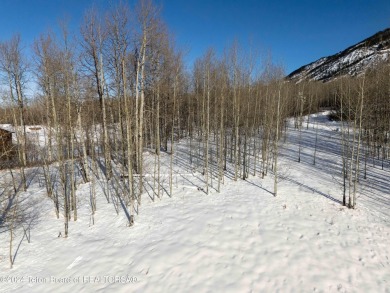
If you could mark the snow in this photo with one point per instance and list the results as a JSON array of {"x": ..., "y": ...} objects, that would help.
[
  {"x": 353, "y": 61},
  {"x": 240, "y": 240}
]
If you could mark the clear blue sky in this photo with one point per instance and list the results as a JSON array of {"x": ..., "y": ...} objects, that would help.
[{"x": 296, "y": 32}]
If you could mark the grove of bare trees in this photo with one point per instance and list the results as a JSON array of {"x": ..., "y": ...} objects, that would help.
[{"x": 121, "y": 89}]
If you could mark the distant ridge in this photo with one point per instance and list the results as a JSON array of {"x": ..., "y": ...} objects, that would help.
[{"x": 352, "y": 61}]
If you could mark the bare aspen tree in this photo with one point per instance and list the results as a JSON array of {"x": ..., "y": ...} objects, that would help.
[
  {"x": 359, "y": 116},
  {"x": 147, "y": 15},
  {"x": 94, "y": 38},
  {"x": 207, "y": 89},
  {"x": 119, "y": 42},
  {"x": 235, "y": 75},
  {"x": 83, "y": 133},
  {"x": 276, "y": 143},
  {"x": 269, "y": 76},
  {"x": 48, "y": 60},
  {"x": 301, "y": 100},
  {"x": 176, "y": 72},
  {"x": 256, "y": 129},
  {"x": 158, "y": 143},
  {"x": 223, "y": 84},
  {"x": 344, "y": 148},
  {"x": 70, "y": 91},
  {"x": 248, "y": 88},
  {"x": 315, "y": 145},
  {"x": 14, "y": 67},
  {"x": 43, "y": 49},
  {"x": 162, "y": 67}
]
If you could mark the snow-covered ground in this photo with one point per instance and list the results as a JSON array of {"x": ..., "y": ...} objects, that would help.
[{"x": 240, "y": 240}]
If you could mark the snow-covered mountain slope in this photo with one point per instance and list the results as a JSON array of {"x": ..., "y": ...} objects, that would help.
[
  {"x": 352, "y": 61},
  {"x": 240, "y": 240}
]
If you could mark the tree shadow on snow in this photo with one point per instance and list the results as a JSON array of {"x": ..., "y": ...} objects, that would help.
[{"x": 314, "y": 190}]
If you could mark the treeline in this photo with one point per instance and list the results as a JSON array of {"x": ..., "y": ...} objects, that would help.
[{"x": 122, "y": 88}]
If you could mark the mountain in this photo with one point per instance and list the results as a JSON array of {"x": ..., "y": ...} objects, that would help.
[{"x": 352, "y": 61}]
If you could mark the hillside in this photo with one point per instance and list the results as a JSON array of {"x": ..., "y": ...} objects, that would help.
[{"x": 351, "y": 61}]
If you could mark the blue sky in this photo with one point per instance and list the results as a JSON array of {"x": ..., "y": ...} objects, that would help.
[{"x": 295, "y": 32}]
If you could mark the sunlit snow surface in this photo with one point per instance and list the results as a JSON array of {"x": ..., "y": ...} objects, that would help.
[{"x": 240, "y": 240}]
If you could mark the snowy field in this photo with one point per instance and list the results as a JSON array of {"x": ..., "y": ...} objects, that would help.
[{"x": 240, "y": 240}]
